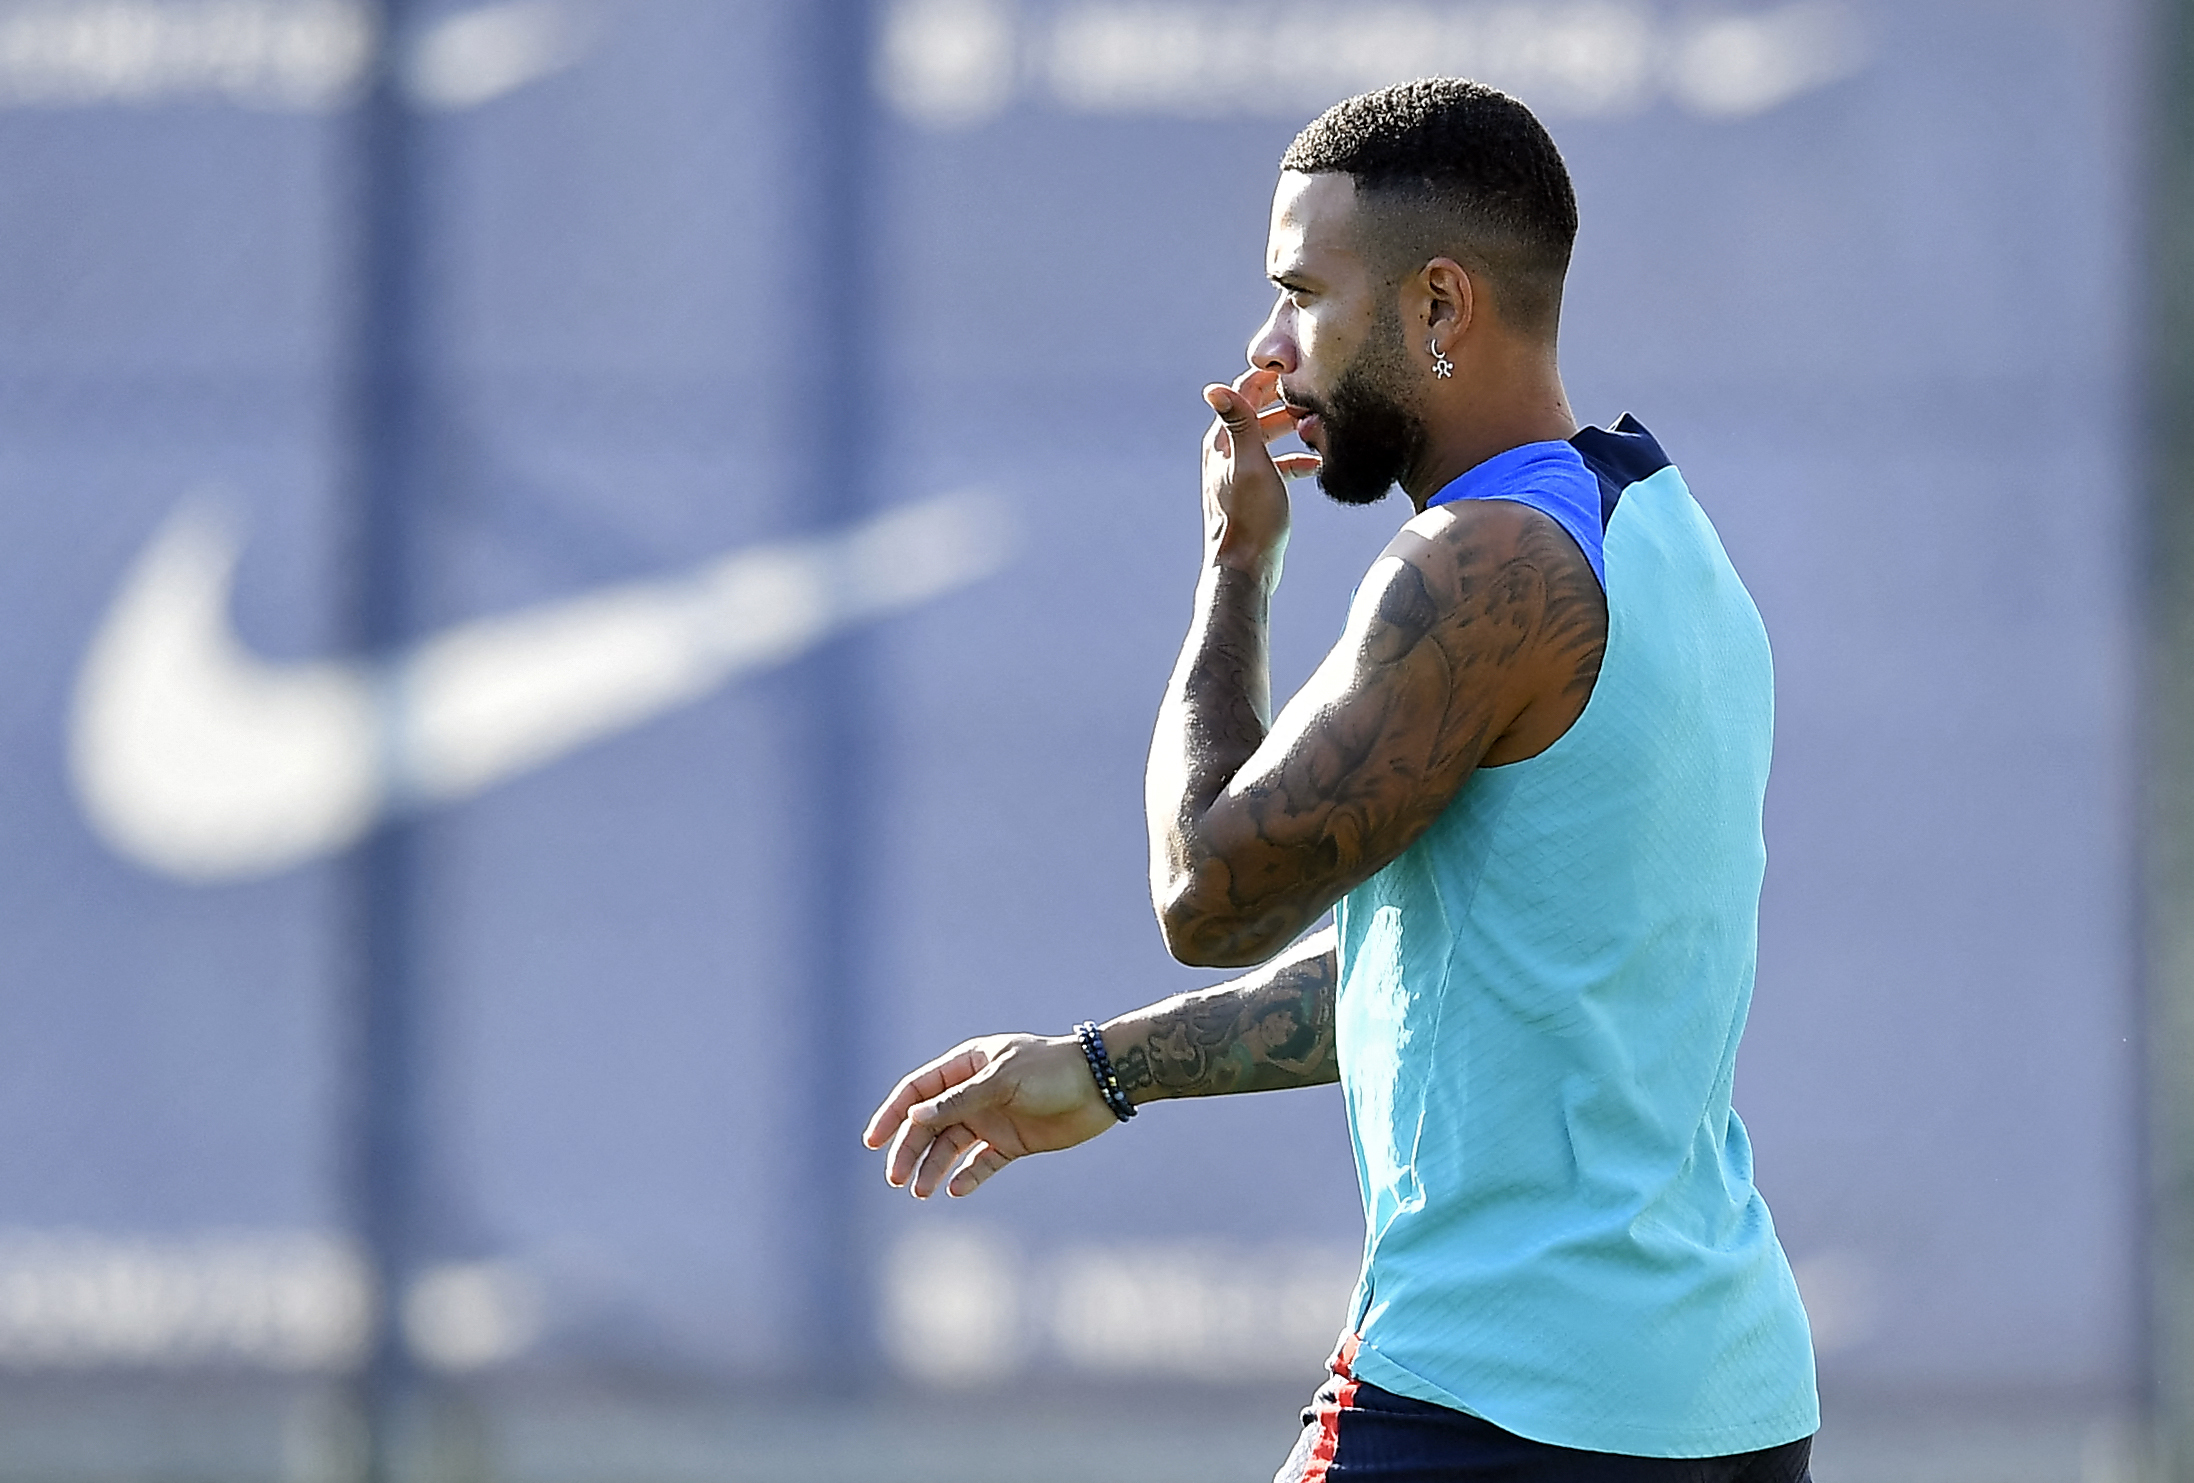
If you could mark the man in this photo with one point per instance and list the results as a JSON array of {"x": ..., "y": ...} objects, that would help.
[{"x": 1528, "y": 782}]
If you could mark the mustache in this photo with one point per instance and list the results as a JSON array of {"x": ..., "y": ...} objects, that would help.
[{"x": 1300, "y": 404}]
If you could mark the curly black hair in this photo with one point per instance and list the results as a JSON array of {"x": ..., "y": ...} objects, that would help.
[{"x": 1453, "y": 167}]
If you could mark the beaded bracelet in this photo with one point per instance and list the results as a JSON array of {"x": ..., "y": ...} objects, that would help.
[{"x": 1100, "y": 1066}]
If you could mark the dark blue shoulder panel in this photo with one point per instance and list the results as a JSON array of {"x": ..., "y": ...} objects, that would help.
[{"x": 1619, "y": 457}]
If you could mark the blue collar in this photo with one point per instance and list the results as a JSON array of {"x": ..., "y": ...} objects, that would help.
[
  {"x": 1551, "y": 478},
  {"x": 1488, "y": 480}
]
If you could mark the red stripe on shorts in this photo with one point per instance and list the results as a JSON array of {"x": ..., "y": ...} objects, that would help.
[{"x": 1329, "y": 1419}]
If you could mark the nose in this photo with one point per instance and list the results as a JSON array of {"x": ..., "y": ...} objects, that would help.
[{"x": 1272, "y": 348}]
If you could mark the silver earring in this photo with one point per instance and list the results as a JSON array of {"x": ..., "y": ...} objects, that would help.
[{"x": 1442, "y": 367}]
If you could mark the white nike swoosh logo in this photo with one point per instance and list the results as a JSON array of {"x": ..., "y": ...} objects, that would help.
[{"x": 196, "y": 758}]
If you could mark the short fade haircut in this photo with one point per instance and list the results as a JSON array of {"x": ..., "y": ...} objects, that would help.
[{"x": 1457, "y": 169}]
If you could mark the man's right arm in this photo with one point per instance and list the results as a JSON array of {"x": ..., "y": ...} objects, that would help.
[{"x": 989, "y": 1101}]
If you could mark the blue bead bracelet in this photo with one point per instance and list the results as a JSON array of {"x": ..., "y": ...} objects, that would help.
[{"x": 1100, "y": 1066}]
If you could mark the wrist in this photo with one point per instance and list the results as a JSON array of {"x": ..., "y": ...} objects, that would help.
[
  {"x": 1126, "y": 1038},
  {"x": 1246, "y": 576},
  {"x": 1111, "y": 1090},
  {"x": 1252, "y": 547},
  {"x": 1261, "y": 567}
]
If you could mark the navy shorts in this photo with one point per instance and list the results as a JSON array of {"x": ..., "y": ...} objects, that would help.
[{"x": 1358, "y": 1433}]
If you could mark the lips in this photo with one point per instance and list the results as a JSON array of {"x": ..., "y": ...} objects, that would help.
[{"x": 1307, "y": 427}]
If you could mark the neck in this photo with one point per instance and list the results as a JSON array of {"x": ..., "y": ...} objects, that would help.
[{"x": 1503, "y": 401}]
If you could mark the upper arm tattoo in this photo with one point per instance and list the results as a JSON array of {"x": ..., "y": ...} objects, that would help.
[
  {"x": 1482, "y": 637},
  {"x": 1573, "y": 626}
]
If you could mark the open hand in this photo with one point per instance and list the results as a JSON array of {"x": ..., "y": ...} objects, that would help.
[
  {"x": 983, "y": 1104},
  {"x": 1245, "y": 487}
]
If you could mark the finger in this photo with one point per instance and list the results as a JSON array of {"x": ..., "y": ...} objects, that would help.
[
  {"x": 907, "y": 1148},
  {"x": 919, "y": 1085},
  {"x": 1277, "y": 421},
  {"x": 916, "y": 1086},
  {"x": 1297, "y": 465},
  {"x": 1258, "y": 386},
  {"x": 1237, "y": 434},
  {"x": 981, "y": 1092},
  {"x": 921, "y": 1128},
  {"x": 1238, "y": 412},
  {"x": 889, "y": 1115},
  {"x": 981, "y": 1164},
  {"x": 942, "y": 1155}
]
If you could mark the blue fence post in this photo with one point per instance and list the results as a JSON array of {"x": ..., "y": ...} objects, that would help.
[
  {"x": 387, "y": 410},
  {"x": 829, "y": 196},
  {"x": 2168, "y": 925}
]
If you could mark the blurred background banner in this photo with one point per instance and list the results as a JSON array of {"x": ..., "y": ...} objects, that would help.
[{"x": 790, "y": 564}]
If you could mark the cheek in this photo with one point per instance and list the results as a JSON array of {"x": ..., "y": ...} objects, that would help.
[
  {"x": 1313, "y": 336},
  {"x": 1316, "y": 350}
]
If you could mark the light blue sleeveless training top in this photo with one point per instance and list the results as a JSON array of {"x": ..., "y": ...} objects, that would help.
[{"x": 1538, "y": 1018}]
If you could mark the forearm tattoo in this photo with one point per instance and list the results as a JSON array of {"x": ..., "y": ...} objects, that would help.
[
  {"x": 1271, "y": 1030},
  {"x": 1225, "y": 686}
]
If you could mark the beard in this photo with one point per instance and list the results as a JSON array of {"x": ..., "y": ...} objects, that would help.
[{"x": 1372, "y": 436}]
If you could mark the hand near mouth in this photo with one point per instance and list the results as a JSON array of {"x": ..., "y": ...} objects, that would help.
[{"x": 1245, "y": 490}]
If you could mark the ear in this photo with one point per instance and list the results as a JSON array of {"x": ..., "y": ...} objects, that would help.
[{"x": 1447, "y": 304}]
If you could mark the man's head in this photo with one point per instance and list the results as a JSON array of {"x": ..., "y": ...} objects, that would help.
[{"x": 1420, "y": 235}]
